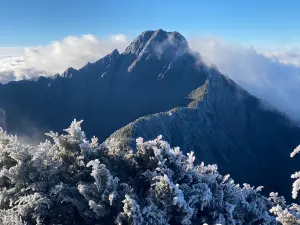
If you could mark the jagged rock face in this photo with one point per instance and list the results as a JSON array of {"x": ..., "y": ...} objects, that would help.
[
  {"x": 212, "y": 116},
  {"x": 155, "y": 73},
  {"x": 225, "y": 125}
]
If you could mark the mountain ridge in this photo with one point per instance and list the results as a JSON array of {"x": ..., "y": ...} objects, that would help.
[
  {"x": 165, "y": 88},
  {"x": 110, "y": 77},
  {"x": 238, "y": 149}
]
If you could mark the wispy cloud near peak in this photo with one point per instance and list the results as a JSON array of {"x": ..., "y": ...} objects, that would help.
[{"x": 273, "y": 77}]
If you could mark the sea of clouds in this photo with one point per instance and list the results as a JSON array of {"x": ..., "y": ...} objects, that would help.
[
  {"x": 272, "y": 75},
  {"x": 57, "y": 56}
]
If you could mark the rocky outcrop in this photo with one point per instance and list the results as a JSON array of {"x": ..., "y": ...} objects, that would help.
[{"x": 225, "y": 125}]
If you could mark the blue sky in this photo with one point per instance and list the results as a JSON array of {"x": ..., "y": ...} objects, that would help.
[{"x": 257, "y": 22}]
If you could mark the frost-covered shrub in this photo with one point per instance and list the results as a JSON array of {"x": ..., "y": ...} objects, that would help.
[
  {"x": 288, "y": 214},
  {"x": 71, "y": 180}
]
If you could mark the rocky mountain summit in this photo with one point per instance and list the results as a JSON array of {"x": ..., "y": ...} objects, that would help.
[{"x": 155, "y": 73}]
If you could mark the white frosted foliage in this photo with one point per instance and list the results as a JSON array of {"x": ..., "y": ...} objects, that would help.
[{"x": 69, "y": 179}]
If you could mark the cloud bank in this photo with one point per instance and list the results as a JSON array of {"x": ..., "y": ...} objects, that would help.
[
  {"x": 57, "y": 56},
  {"x": 272, "y": 75}
]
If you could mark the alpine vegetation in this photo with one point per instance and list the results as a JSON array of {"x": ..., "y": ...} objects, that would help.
[
  {"x": 71, "y": 180},
  {"x": 288, "y": 214}
]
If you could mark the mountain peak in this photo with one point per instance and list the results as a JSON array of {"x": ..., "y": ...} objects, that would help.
[
  {"x": 69, "y": 72},
  {"x": 115, "y": 52},
  {"x": 157, "y": 42}
]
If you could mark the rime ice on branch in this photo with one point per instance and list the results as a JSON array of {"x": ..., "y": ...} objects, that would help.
[{"x": 71, "y": 180}]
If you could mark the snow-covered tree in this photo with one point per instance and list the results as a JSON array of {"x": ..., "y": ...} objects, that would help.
[
  {"x": 288, "y": 214},
  {"x": 71, "y": 180}
]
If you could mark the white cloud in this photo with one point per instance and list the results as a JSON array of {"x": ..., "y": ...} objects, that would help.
[
  {"x": 57, "y": 56},
  {"x": 15, "y": 68},
  {"x": 289, "y": 55},
  {"x": 11, "y": 51},
  {"x": 274, "y": 78},
  {"x": 121, "y": 38}
]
